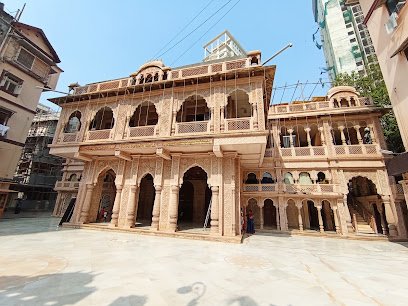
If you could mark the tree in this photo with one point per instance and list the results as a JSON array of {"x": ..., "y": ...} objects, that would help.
[{"x": 372, "y": 85}]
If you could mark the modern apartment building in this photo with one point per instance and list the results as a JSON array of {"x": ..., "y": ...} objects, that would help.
[
  {"x": 37, "y": 171},
  {"x": 387, "y": 22},
  {"x": 346, "y": 43},
  {"x": 28, "y": 63}
]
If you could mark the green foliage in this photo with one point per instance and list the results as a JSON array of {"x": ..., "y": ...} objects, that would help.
[{"x": 372, "y": 85}]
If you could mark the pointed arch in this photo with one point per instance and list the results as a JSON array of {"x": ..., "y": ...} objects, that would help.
[
  {"x": 103, "y": 119},
  {"x": 74, "y": 122},
  {"x": 144, "y": 114},
  {"x": 238, "y": 105},
  {"x": 194, "y": 108}
]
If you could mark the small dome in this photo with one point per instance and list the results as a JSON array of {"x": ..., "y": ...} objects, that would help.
[{"x": 342, "y": 91}]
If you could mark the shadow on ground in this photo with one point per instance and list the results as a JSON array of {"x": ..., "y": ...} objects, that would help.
[
  {"x": 49, "y": 289},
  {"x": 28, "y": 225}
]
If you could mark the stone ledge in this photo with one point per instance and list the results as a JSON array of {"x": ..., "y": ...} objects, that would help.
[
  {"x": 182, "y": 235},
  {"x": 325, "y": 235}
]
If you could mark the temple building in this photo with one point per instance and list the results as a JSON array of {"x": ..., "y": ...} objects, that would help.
[{"x": 172, "y": 150}]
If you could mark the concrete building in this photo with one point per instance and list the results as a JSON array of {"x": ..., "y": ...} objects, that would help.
[
  {"x": 28, "y": 61},
  {"x": 164, "y": 145},
  {"x": 38, "y": 171},
  {"x": 387, "y": 22},
  {"x": 346, "y": 43}
]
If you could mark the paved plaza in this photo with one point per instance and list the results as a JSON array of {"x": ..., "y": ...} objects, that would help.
[{"x": 43, "y": 265}]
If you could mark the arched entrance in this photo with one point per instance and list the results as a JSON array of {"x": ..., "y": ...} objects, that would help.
[
  {"x": 269, "y": 214},
  {"x": 146, "y": 201},
  {"x": 103, "y": 197},
  {"x": 313, "y": 216},
  {"x": 194, "y": 199},
  {"x": 253, "y": 206},
  {"x": 366, "y": 208}
]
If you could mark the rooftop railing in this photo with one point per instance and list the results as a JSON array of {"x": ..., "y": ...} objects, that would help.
[
  {"x": 315, "y": 106},
  {"x": 195, "y": 71}
]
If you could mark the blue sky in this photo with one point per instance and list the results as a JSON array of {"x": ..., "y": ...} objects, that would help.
[{"x": 102, "y": 40}]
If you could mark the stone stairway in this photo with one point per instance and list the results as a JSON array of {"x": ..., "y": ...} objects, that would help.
[{"x": 362, "y": 225}]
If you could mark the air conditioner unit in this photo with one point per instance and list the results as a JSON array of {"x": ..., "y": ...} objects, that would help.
[{"x": 391, "y": 23}]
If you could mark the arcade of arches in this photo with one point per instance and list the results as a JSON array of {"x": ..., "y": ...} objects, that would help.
[{"x": 155, "y": 197}]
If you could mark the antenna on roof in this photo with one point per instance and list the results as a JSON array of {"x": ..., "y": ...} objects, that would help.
[
  {"x": 20, "y": 12},
  {"x": 289, "y": 45}
]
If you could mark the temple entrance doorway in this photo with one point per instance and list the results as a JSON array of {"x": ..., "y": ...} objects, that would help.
[
  {"x": 366, "y": 208},
  {"x": 103, "y": 198},
  {"x": 146, "y": 201},
  {"x": 194, "y": 199},
  {"x": 269, "y": 215}
]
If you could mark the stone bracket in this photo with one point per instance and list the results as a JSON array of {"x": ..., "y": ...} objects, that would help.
[
  {"x": 123, "y": 155},
  {"x": 163, "y": 153},
  {"x": 218, "y": 151},
  {"x": 83, "y": 157}
]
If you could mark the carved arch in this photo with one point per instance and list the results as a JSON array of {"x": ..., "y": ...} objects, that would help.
[{"x": 206, "y": 169}]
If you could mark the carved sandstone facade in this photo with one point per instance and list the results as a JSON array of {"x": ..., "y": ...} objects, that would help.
[{"x": 162, "y": 145}]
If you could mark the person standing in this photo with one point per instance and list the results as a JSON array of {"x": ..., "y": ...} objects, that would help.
[{"x": 250, "y": 223}]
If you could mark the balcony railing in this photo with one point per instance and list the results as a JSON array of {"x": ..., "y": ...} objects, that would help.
[
  {"x": 192, "y": 127},
  {"x": 347, "y": 150},
  {"x": 69, "y": 137},
  {"x": 303, "y": 151},
  {"x": 66, "y": 185},
  {"x": 199, "y": 70},
  {"x": 369, "y": 149},
  {"x": 237, "y": 124},
  {"x": 309, "y": 189},
  {"x": 260, "y": 187},
  {"x": 397, "y": 191},
  {"x": 312, "y": 106},
  {"x": 292, "y": 188},
  {"x": 99, "y": 134},
  {"x": 141, "y": 131}
]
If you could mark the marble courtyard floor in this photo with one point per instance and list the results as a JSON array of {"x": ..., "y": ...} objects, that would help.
[{"x": 43, "y": 265}]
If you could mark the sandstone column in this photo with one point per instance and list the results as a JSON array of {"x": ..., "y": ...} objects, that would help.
[
  {"x": 131, "y": 207},
  {"x": 173, "y": 209},
  {"x": 309, "y": 140},
  {"x": 336, "y": 219},
  {"x": 215, "y": 209},
  {"x": 392, "y": 230},
  {"x": 116, "y": 206},
  {"x": 319, "y": 214},
  {"x": 156, "y": 208},
  {"x": 87, "y": 203},
  {"x": 382, "y": 215},
  {"x": 300, "y": 220}
]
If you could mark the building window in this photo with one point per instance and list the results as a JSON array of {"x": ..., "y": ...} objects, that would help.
[
  {"x": 286, "y": 141},
  {"x": 394, "y": 5},
  {"x": 353, "y": 40},
  {"x": 10, "y": 83},
  {"x": 25, "y": 58},
  {"x": 5, "y": 115},
  {"x": 359, "y": 63},
  {"x": 348, "y": 25}
]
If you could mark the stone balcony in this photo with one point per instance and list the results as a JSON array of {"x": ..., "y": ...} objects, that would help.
[
  {"x": 313, "y": 189},
  {"x": 323, "y": 151},
  {"x": 66, "y": 186},
  {"x": 317, "y": 105},
  {"x": 181, "y": 128},
  {"x": 397, "y": 191}
]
